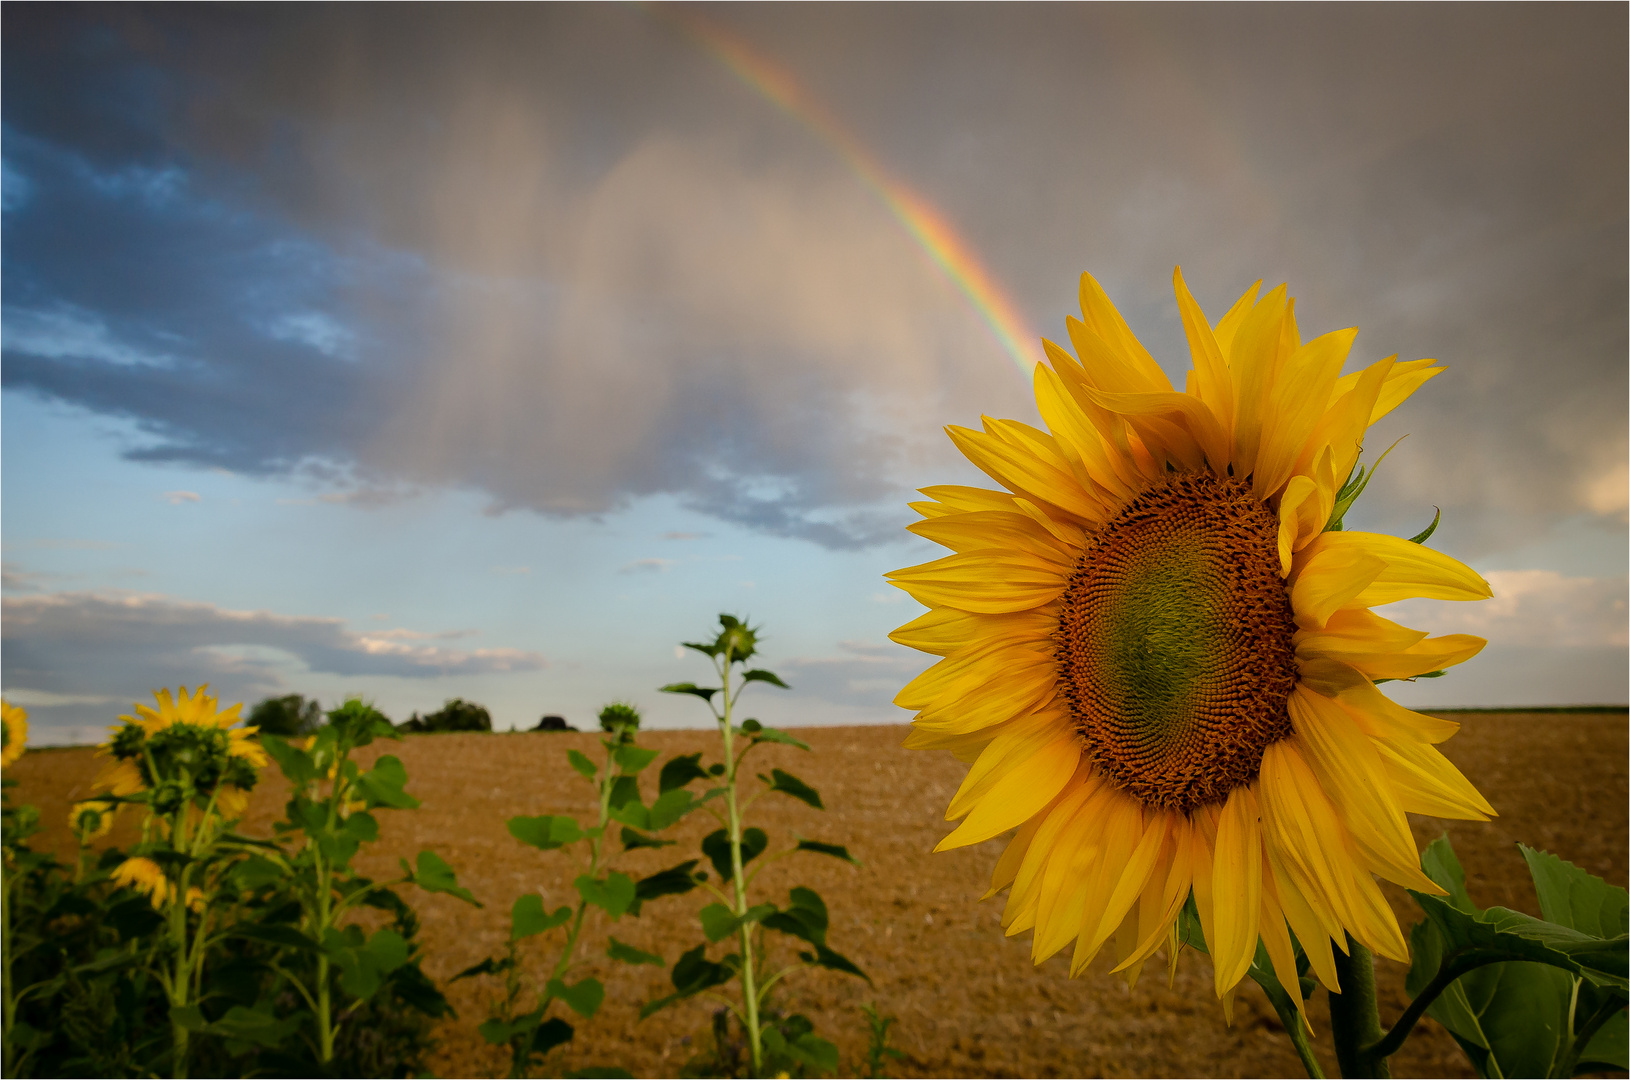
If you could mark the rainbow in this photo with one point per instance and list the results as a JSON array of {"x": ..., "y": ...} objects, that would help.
[{"x": 921, "y": 221}]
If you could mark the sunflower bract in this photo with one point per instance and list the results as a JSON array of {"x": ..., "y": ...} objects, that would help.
[{"x": 1161, "y": 665}]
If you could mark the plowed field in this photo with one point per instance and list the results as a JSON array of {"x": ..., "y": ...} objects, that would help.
[{"x": 969, "y": 1001}]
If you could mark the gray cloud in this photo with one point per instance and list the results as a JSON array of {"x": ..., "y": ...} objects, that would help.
[
  {"x": 560, "y": 255},
  {"x": 860, "y": 673},
  {"x": 118, "y": 644}
]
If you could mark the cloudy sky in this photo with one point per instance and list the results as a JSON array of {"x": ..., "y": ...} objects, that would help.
[{"x": 429, "y": 351}]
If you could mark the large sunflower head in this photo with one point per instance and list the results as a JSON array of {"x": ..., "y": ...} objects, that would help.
[
  {"x": 13, "y": 733},
  {"x": 1159, "y": 654},
  {"x": 183, "y": 750}
]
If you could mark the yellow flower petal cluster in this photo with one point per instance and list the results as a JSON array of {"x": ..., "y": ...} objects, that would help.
[
  {"x": 13, "y": 733},
  {"x": 92, "y": 819},
  {"x": 144, "y": 875},
  {"x": 1159, "y": 657},
  {"x": 131, "y": 746}
]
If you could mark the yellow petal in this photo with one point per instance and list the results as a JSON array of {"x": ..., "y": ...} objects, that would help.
[
  {"x": 1403, "y": 380},
  {"x": 1119, "y": 832},
  {"x": 1212, "y": 382},
  {"x": 1296, "y": 404},
  {"x": 1342, "y": 429},
  {"x": 1106, "y": 323},
  {"x": 1164, "y": 895},
  {"x": 1020, "y": 793},
  {"x": 1025, "y": 467},
  {"x": 1427, "y": 783},
  {"x": 1350, "y": 771},
  {"x": 1236, "y": 885},
  {"x": 1019, "y": 914},
  {"x": 947, "y": 631},
  {"x": 957, "y": 499},
  {"x": 1281, "y": 954},
  {"x": 1377, "y": 715},
  {"x": 1019, "y": 741},
  {"x": 1001, "y": 530},
  {"x": 1253, "y": 362},
  {"x": 988, "y": 583},
  {"x": 1355, "y": 632},
  {"x": 1124, "y": 880},
  {"x": 1229, "y": 324},
  {"x": 1324, "y": 579},
  {"x": 1183, "y": 426},
  {"x": 1310, "y": 928}
]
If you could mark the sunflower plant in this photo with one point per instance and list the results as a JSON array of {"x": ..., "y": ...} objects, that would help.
[
  {"x": 623, "y": 823},
  {"x": 303, "y": 895},
  {"x": 774, "y": 1044},
  {"x": 1159, "y": 658},
  {"x": 191, "y": 770}
]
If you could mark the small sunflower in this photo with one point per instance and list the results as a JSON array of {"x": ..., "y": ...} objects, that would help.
[
  {"x": 194, "y": 749},
  {"x": 13, "y": 733},
  {"x": 145, "y": 876},
  {"x": 1159, "y": 654},
  {"x": 92, "y": 819}
]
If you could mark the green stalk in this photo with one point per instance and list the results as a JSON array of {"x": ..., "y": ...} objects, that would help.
[
  {"x": 7, "y": 880},
  {"x": 1355, "y": 1020},
  {"x": 748, "y": 975}
]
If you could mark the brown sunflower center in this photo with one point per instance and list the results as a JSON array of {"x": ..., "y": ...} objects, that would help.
[{"x": 1174, "y": 643}]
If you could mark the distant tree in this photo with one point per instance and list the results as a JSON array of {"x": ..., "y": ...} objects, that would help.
[
  {"x": 554, "y": 723},
  {"x": 456, "y": 714},
  {"x": 290, "y": 716}
]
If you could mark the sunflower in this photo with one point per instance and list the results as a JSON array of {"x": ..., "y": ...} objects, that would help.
[
  {"x": 194, "y": 749},
  {"x": 1159, "y": 657},
  {"x": 91, "y": 819},
  {"x": 13, "y": 733}
]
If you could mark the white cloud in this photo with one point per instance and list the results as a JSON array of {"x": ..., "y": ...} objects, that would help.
[
  {"x": 1539, "y": 609},
  {"x": 36, "y": 699},
  {"x": 176, "y": 498},
  {"x": 317, "y": 329}
]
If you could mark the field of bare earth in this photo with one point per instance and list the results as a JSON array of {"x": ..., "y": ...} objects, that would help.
[{"x": 968, "y": 1000}]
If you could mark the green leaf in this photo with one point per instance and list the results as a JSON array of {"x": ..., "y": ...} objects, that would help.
[
  {"x": 1523, "y": 937},
  {"x": 789, "y": 784},
  {"x": 1571, "y": 897},
  {"x": 760, "y": 675},
  {"x": 631, "y": 812},
  {"x": 837, "y": 851},
  {"x": 632, "y": 840},
  {"x": 189, "y": 1017},
  {"x": 679, "y": 771},
  {"x": 670, "y": 807},
  {"x": 584, "y": 997},
  {"x": 674, "y": 881},
  {"x": 705, "y": 693},
  {"x": 387, "y": 950},
  {"x": 362, "y": 827},
  {"x": 256, "y": 872},
  {"x": 550, "y": 1034},
  {"x": 719, "y": 922},
  {"x": 1610, "y": 1047},
  {"x": 826, "y": 958},
  {"x": 281, "y": 935},
  {"x": 547, "y": 831},
  {"x": 693, "y": 973},
  {"x": 434, "y": 875},
  {"x": 634, "y": 759},
  {"x": 489, "y": 966},
  {"x": 705, "y": 650},
  {"x": 805, "y": 917},
  {"x": 582, "y": 764},
  {"x": 382, "y": 785},
  {"x": 295, "y": 763},
  {"x": 613, "y": 895},
  {"x": 624, "y": 790},
  {"x": 770, "y": 734},
  {"x": 630, "y": 955},
  {"x": 527, "y": 917},
  {"x": 716, "y": 846},
  {"x": 1426, "y": 534}
]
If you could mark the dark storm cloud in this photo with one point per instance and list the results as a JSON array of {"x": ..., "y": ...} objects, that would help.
[
  {"x": 559, "y": 254},
  {"x": 70, "y": 652}
]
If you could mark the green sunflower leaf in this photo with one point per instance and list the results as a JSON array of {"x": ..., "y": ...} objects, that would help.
[
  {"x": 679, "y": 771},
  {"x": 613, "y": 895},
  {"x": 1571, "y": 897},
  {"x": 705, "y": 693},
  {"x": 580, "y": 761},
  {"x": 837, "y": 851},
  {"x": 584, "y": 997},
  {"x": 760, "y": 675},
  {"x": 630, "y": 955},
  {"x": 632, "y": 840},
  {"x": 633, "y": 759},
  {"x": 788, "y": 784},
  {"x": 545, "y": 832},
  {"x": 1426, "y": 534},
  {"x": 674, "y": 881},
  {"x": 527, "y": 917},
  {"x": 434, "y": 875}
]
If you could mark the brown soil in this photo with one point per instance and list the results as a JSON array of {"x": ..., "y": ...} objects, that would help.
[{"x": 969, "y": 1001}]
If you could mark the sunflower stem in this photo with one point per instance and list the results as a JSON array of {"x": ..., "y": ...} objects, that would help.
[
  {"x": 750, "y": 991},
  {"x": 1355, "y": 1020}
]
